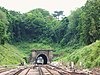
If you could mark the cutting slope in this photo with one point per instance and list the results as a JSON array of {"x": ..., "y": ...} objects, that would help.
[{"x": 10, "y": 55}]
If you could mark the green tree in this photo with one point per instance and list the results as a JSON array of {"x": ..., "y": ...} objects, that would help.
[
  {"x": 3, "y": 27},
  {"x": 57, "y": 14}
]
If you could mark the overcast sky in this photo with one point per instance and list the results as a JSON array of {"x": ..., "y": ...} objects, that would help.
[{"x": 50, "y": 5}]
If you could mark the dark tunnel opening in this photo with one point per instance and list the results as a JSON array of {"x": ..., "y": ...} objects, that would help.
[{"x": 41, "y": 59}]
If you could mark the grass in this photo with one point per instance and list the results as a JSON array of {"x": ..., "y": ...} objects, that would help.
[
  {"x": 13, "y": 54},
  {"x": 10, "y": 55},
  {"x": 26, "y": 47},
  {"x": 88, "y": 55}
]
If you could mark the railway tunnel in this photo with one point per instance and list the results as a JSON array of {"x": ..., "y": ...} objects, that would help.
[{"x": 44, "y": 56}]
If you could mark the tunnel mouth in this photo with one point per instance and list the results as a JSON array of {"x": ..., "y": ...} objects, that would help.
[{"x": 41, "y": 59}]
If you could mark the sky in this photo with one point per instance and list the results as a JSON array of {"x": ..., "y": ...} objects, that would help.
[{"x": 51, "y": 5}]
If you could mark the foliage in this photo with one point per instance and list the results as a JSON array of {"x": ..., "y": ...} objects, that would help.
[
  {"x": 10, "y": 55},
  {"x": 40, "y": 29},
  {"x": 57, "y": 14},
  {"x": 3, "y": 27},
  {"x": 27, "y": 47},
  {"x": 84, "y": 25},
  {"x": 81, "y": 27},
  {"x": 88, "y": 55}
]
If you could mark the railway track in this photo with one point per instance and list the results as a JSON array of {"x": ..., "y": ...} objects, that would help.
[
  {"x": 39, "y": 70},
  {"x": 4, "y": 70}
]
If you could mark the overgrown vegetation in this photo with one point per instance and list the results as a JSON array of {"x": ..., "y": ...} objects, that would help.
[
  {"x": 88, "y": 55},
  {"x": 27, "y": 47},
  {"x": 9, "y": 54},
  {"x": 81, "y": 27},
  {"x": 38, "y": 29}
]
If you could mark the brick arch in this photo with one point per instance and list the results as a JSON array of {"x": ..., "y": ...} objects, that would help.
[{"x": 45, "y": 58}]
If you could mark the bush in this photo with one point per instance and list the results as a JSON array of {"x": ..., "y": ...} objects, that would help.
[{"x": 88, "y": 64}]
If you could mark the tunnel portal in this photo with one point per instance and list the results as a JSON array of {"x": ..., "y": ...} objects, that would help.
[{"x": 44, "y": 56}]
